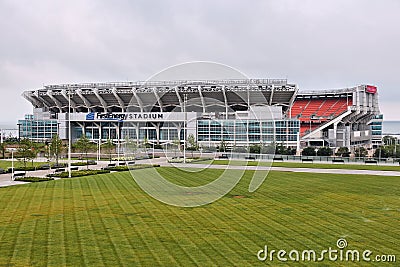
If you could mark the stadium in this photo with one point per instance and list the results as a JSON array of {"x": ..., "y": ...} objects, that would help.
[{"x": 240, "y": 112}]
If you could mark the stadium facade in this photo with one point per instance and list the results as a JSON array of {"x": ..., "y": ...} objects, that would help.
[{"x": 240, "y": 112}]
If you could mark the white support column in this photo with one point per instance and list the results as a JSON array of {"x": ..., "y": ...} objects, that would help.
[
  {"x": 84, "y": 99},
  {"x": 30, "y": 98},
  {"x": 202, "y": 99},
  {"x": 119, "y": 99},
  {"x": 226, "y": 102},
  {"x": 57, "y": 102},
  {"x": 272, "y": 96},
  {"x": 41, "y": 99},
  {"x": 158, "y": 99},
  {"x": 103, "y": 103},
  {"x": 138, "y": 99},
  {"x": 179, "y": 97},
  {"x": 248, "y": 97},
  {"x": 73, "y": 104}
]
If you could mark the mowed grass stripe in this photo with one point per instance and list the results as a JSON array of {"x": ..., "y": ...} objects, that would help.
[
  {"x": 23, "y": 234},
  {"x": 232, "y": 236},
  {"x": 206, "y": 234},
  {"x": 90, "y": 246},
  {"x": 177, "y": 243},
  {"x": 71, "y": 232},
  {"x": 248, "y": 210},
  {"x": 39, "y": 238},
  {"x": 134, "y": 235},
  {"x": 56, "y": 255},
  {"x": 289, "y": 211},
  {"x": 114, "y": 211},
  {"x": 11, "y": 208},
  {"x": 146, "y": 250},
  {"x": 295, "y": 216},
  {"x": 103, "y": 233},
  {"x": 128, "y": 245},
  {"x": 155, "y": 240},
  {"x": 355, "y": 199},
  {"x": 354, "y": 221}
]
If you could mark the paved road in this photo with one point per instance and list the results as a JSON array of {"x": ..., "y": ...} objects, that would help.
[{"x": 5, "y": 179}]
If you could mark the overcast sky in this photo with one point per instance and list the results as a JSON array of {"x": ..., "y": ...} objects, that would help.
[{"x": 315, "y": 44}]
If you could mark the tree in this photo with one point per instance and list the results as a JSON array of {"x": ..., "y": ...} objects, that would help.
[
  {"x": 282, "y": 150},
  {"x": 360, "y": 152},
  {"x": 389, "y": 140},
  {"x": 146, "y": 143},
  {"x": 56, "y": 147},
  {"x": 108, "y": 146},
  {"x": 309, "y": 151},
  {"x": 84, "y": 145},
  {"x": 269, "y": 149},
  {"x": 239, "y": 149},
  {"x": 222, "y": 146},
  {"x": 193, "y": 146},
  {"x": 26, "y": 151},
  {"x": 255, "y": 149},
  {"x": 324, "y": 151},
  {"x": 131, "y": 146},
  {"x": 382, "y": 152},
  {"x": 176, "y": 143},
  {"x": 3, "y": 149},
  {"x": 343, "y": 152}
]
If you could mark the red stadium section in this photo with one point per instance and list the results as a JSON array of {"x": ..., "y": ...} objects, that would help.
[
  {"x": 314, "y": 111},
  {"x": 340, "y": 117}
]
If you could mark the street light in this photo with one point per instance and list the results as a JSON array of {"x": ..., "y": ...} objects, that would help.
[
  {"x": 184, "y": 128},
  {"x": 69, "y": 133},
  {"x": 12, "y": 162}
]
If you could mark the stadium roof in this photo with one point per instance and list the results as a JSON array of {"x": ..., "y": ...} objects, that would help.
[{"x": 202, "y": 95}]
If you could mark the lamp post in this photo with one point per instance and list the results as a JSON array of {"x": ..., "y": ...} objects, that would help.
[
  {"x": 12, "y": 164},
  {"x": 184, "y": 128},
  {"x": 118, "y": 143},
  {"x": 98, "y": 149},
  {"x": 69, "y": 133}
]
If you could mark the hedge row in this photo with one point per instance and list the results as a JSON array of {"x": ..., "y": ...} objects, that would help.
[
  {"x": 188, "y": 160},
  {"x": 132, "y": 167},
  {"x": 78, "y": 173},
  {"x": 33, "y": 179}
]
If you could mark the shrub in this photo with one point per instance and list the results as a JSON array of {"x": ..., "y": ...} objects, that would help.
[
  {"x": 132, "y": 167},
  {"x": 324, "y": 151},
  {"x": 33, "y": 179},
  {"x": 78, "y": 173},
  {"x": 9, "y": 170},
  {"x": 309, "y": 151},
  {"x": 84, "y": 163}
]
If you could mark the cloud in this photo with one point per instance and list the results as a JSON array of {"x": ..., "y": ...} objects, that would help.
[{"x": 316, "y": 44}]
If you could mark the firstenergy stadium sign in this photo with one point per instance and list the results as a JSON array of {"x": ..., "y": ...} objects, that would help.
[
  {"x": 130, "y": 116},
  {"x": 124, "y": 116}
]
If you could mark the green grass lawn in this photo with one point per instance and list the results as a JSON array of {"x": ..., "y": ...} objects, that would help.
[
  {"x": 309, "y": 165},
  {"x": 4, "y": 164},
  {"x": 107, "y": 220}
]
